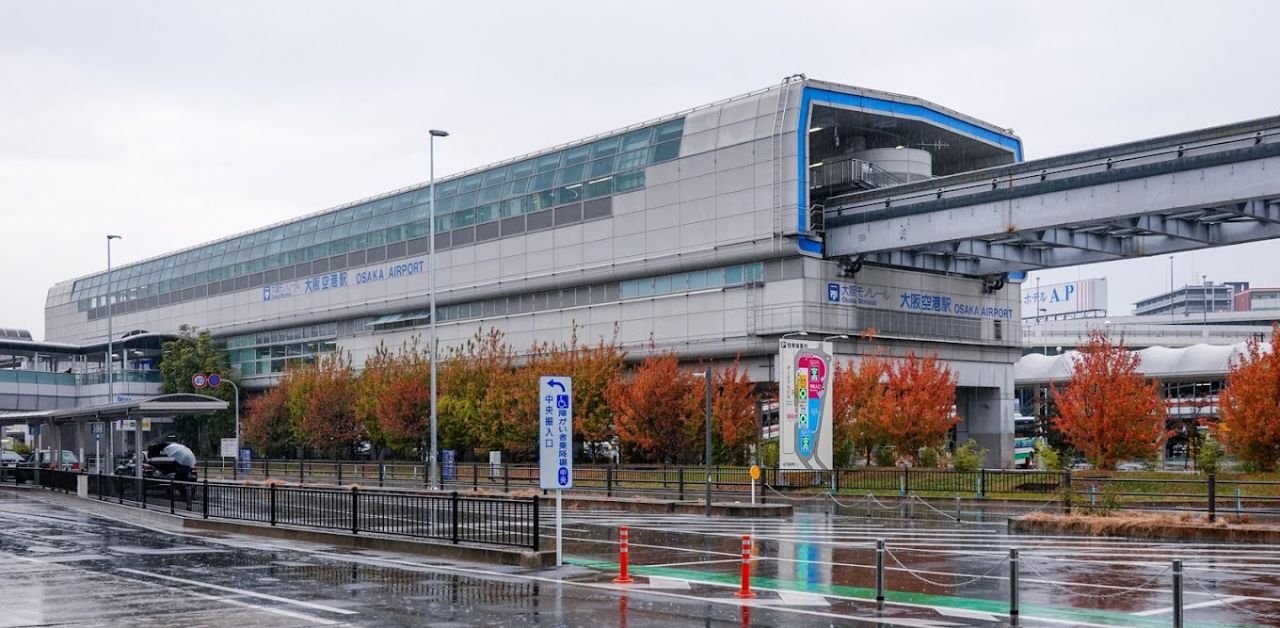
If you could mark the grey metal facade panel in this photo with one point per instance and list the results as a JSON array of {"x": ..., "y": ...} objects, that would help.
[
  {"x": 462, "y": 237},
  {"x": 539, "y": 220},
  {"x": 376, "y": 254},
  {"x": 418, "y": 246},
  {"x": 512, "y": 226},
  {"x": 487, "y": 231},
  {"x": 597, "y": 208},
  {"x": 568, "y": 214}
]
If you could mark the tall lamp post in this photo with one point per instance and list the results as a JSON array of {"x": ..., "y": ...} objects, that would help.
[
  {"x": 111, "y": 392},
  {"x": 431, "y": 255},
  {"x": 707, "y": 376}
]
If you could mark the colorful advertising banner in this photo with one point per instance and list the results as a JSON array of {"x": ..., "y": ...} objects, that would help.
[{"x": 805, "y": 433}]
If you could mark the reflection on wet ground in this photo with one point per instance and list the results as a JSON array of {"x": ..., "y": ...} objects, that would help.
[{"x": 63, "y": 566}]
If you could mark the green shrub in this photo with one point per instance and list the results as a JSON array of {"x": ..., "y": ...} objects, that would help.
[
  {"x": 928, "y": 458},
  {"x": 1048, "y": 458},
  {"x": 22, "y": 449},
  {"x": 769, "y": 453},
  {"x": 968, "y": 457},
  {"x": 1209, "y": 455},
  {"x": 885, "y": 456}
]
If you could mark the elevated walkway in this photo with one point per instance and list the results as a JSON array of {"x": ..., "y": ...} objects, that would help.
[{"x": 1211, "y": 187}]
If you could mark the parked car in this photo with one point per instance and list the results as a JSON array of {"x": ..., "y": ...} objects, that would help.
[
  {"x": 9, "y": 459},
  {"x": 44, "y": 460}
]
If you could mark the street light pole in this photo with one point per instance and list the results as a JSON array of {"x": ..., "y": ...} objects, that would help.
[
  {"x": 431, "y": 255},
  {"x": 707, "y": 376},
  {"x": 111, "y": 393},
  {"x": 1204, "y": 300}
]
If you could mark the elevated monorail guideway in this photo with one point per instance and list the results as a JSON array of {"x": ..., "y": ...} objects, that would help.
[{"x": 1205, "y": 188}]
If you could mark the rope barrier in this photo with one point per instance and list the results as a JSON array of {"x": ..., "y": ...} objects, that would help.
[
  {"x": 953, "y": 585},
  {"x": 1230, "y": 602},
  {"x": 1095, "y": 596}
]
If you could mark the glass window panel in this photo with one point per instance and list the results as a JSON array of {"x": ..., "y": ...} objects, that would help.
[
  {"x": 628, "y": 181},
  {"x": 242, "y": 256},
  {"x": 489, "y": 195},
  {"x": 494, "y": 177},
  {"x": 338, "y": 247},
  {"x": 733, "y": 276},
  {"x": 274, "y": 247},
  {"x": 599, "y": 187},
  {"x": 358, "y": 242},
  {"x": 395, "y": 234},
  {"x": 485, "y": 213},
  {"x": 464, "y": 218},
  {"x": 290, "y": 231},
  {"x": 636, "y": 139},
  {"x": 572, "y": 174},
  {"x": 446, "y": 188},
  {"x": 381, "y": 221},
  {"x": 662, "y": 285},
  {"x": 633, "y": 159},
  {"x": 359, "y": 227},
  {"x": 419, "y": 229},
  {"x": 697, "y": 280},
  {"x": 276, "y": 235},
  {"x": 404, "y": 200},
  {"x": 576, "y": 155},
  {"x": 346, "y": 215},
  {"x": 669, "y": 130},
  {"x": 548, "y": 162},
  {"x": 339, "y": 232},
  {"x": 679, "y": 282},
  {"x": 665, "y": 151},
  {"x": 399, "y": 218},
  {"x": 375, "y": 238},
  {"x": 511, "y": 207},
  {"x": 544, "y": 180},
  {"x": 255, "y": 266},
  {"x": 569, "y": 194},
  {"x": 519, "y": 186},
  {"x": 644, "y": 287},
  {"x": 326, "y": 221},
  {"x": 600, "y": 168},
  {"x": 470, "y": 184},
  {"x": 539, "y": 200},
  {"x": 367, "y": 210},
  {"x": 606, "y": 147},
  {"x": 446, "y": 205},
  {"x": 465, "y": 201},
  {"x": 306, "y": 239},
  {"x": 522, "y": 169}
]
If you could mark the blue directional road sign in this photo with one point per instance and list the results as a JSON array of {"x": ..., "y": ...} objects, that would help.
[{"x": 555, "y": 432}]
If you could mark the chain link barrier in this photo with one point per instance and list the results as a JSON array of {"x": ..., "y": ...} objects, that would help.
[
  {"x": 953, "y": 585},
  {"x": 1230, "y": 601},
  {"x": 796, "y": 499}
]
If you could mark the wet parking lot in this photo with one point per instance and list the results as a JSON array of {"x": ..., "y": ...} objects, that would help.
[{"x": 66, "y": 566}]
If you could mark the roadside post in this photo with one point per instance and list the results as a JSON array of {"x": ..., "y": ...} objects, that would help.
[
  {"x": 755, "y": 475},
  {"x": 555, "y": 444}
]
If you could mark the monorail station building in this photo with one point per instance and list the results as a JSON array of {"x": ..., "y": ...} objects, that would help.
[{"x": 698, "y": 232}]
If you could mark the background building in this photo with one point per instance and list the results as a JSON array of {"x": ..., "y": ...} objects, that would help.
[
  {"x": 1193, "y": 299},
  {"x": 693, "y": 232}
]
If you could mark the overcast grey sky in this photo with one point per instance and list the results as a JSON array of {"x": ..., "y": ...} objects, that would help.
[{"x": 173, "y": 123}]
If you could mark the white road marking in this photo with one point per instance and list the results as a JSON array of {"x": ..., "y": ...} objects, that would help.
[
  {"x": 1161, "y": 611},
  {"x": 264, "y": 596}
]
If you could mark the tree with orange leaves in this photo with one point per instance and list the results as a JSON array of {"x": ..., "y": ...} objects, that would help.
[
  {"x": 1250, "y": 405},
  {"x": 328, "y": 421},
  {"x": 1108, "y": 410},
  {"x": 650, "y": 407},
  {"x": 733, "y": 411},
  {"x": 858, "y": 404},
  {"x": 920, "y": 398},
  {"x": 268, "y": 425}
]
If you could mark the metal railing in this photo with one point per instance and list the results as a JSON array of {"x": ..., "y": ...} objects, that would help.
[
  {"x": 446, "y": 516},
  {"x": 1213, "y": 494}
]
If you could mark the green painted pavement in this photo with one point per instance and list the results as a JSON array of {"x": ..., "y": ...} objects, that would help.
[{"x": 1028, "y": 611}]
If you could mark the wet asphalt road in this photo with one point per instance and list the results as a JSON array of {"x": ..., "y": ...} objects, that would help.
[{"x": 69, "y": 567}]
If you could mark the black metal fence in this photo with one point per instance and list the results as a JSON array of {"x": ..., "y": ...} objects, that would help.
[
  {"x": 1088, "y": 490},
  {"x": 446, "y": 516}
]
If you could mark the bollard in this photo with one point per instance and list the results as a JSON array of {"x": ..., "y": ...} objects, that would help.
[
  {"x": 868, "y": 504},
  {"x": 624, "y": 551},
  {"x": 745, "y": 591},
  {"x": 911, "y": 506},
  {"x": 1093, "y": 495},
  {"x": 880, "y": 574},
  {"x": 1213, "y": 498},
  {"x": 957, "y": 507},
  {"x": 302, "y": 473},
  {"x": 1237, "y": 502},
  {"x": 1013, "y": 586},
  {"x": 1177, "y": 594}
]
